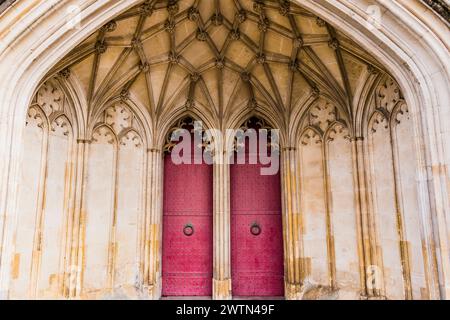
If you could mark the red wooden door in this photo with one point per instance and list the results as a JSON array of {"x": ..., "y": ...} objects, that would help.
[
  {"x": 187, "y": 229},
  {"x": 257, "y": 259}
]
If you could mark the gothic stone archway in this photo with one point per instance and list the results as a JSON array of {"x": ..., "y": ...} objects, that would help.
[
  {"x": 187, "y": 248},
  {"x": 431, "y": 77}
]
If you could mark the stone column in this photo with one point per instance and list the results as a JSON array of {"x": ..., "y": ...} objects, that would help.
[
  {"x": 72, "y": 288},
  {"x": 368, "y": 249},
  {"x": 221, "y": 228},
  {"x": 296, "y": 266},
  {"x": 153, "y": 223}
]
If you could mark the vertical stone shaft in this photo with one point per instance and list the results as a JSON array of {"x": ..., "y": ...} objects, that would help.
[
  {"x": 329, "y": 223},
  {"x": 221, "y": 227},
  {"x": 37, "y": 242},
  {"x": 152, "y": 260},
  {"x": 78, "y": 253},
  {"x": 404, "y": 251},
  {"x": 296, "y": 268},
  {"x": 367, "y": 239},
  {"x": 72, "y": 284}
]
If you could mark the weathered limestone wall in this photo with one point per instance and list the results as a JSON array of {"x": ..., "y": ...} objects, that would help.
[
  {"x": 112, "y": 203},
  {"x": 330, "y": 229},
  {"x": 313, "y": 208},
  {"x": 342, "y": 206},
  {"x": 397, "y": 264},
  {"x": 394, "y": 198},
  {"x": 118, "y": 248},
  {"x": 46, "y": 195},
  {"x": 383, "y": 203},
  {"x": 114, "y": 206}
]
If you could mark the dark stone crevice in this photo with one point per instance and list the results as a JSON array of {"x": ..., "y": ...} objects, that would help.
[
  {"x": 5, "y": 4},
  {"x": 440, "y": 7}
]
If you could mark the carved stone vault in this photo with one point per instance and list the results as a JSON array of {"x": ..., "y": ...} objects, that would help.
[{"x": 355, "y": 223}]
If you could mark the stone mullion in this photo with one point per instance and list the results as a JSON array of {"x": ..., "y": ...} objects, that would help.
[
  {"x": 429, "y": 222},
  {"x": 112, "y": 248},
  {"x": 293, "y": 212},
  {"x": 37, "y": 242},
  {"x": 147, "y": 195},
  {"x": 221, "y": 226},
  {"x": 153, "y": 223},
  {"x": 143, "y": 222},
  {"x": 301, "y": 267},
  {"x": 378, "y": 291},
  {"x": 295, "y": 267},
  {"x": 285, "y": 224},
  {"x": 79, "y": 223},
  {"x": 367, "y": 244},
  {"x": 158, "y": 221},
  {"x": 329, "y": 221},
  {"x": 69, "y": 227},
  {"x": 227, "y": 225},
  {"x": 403, "y": 241},
  {"x": 151, "y": 218}
]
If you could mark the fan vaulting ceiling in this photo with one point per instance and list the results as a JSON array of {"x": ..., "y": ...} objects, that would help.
[{"x": 220, "y": 55}]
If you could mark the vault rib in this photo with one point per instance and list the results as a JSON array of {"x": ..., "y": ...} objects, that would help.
[
  {"x": 100, "y": 48},
  {"x": 208, "y": 97},
  {"x": 164, "y": 88},
  {"x": 109, "y": 76},
  {"x": 328, "y": 77},
  {"x": 294, "y": 61},
  {"x": 341, "y": 64}
]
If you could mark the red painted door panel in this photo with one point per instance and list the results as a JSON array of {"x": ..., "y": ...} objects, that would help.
[
  {"x": 257, "y": 260},
  {"x": 187, "y": 259}
]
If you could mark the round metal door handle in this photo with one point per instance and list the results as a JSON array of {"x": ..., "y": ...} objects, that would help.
[
  {"x": 188, "y": 230},
  {"x": 255, "y": 229}
]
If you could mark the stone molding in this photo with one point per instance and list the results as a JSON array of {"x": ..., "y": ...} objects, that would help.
[{"x": 441, "y": 7}]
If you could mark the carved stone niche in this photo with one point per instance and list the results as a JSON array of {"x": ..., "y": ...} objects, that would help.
[
  {"x": 131, "y": 139},
  {"x": 103, "y": 135},
  {"x": 338, "y": 130},
  {"x": 35, "y": 118},
  {"x": 388, "y": 95},
  {"x": 257, "y": 124},
  {"x": 172, "y": 138},
  {"x": 310, "y": 137},
  {"x": 50, "y": 97},
  {"x": 118, "y": 117},
  {"x": 61, "y": 126},
  {"x": 322, "y": 114},
  {"x": 378, "y": 121},
  {"x": 401, "y": 113}
]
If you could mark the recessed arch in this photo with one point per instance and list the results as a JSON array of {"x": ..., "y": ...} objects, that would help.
[
  {"x": 187, "y": 221},
  {"x": 262, "y": 111},
  {"x": 257, "y": 246},
  {"x": 178, "y": 114}
]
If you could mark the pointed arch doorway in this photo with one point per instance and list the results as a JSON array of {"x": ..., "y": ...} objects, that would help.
[
  {"x": 256, "y": 228},
  {"x": 187, "y": 249}
]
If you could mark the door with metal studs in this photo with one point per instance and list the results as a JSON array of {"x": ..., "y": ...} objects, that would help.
[
  {"x": 187, "y": 258},
  {"x": 256, "y": 230}
]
